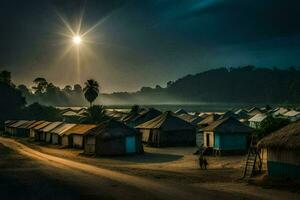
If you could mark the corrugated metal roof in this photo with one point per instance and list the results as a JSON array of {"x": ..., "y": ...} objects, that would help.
[
  {"x": 27, "y": 124},
  {"x": 62, "y": 128},
  {"x": 9, "y": 122},
  {"x": 80, "y": 129},
  {"x": 18, "y": 123},
  {"x": 36, "y": 124},
  {"x": 291, "y": 113},
  {"x": 51, "y": 126},
  {"x": 258, "y": 118},
  {"x": 42, "y": 125}
]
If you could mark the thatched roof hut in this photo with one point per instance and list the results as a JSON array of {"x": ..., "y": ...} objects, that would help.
[
  {"x": 287, "y": 137},
  {"x": 168, "y": 130},
  {"x": 281, "y": 150},
  {"x": 112, "y": 138}
]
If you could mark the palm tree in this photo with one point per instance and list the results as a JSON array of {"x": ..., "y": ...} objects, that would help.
[
  {"x": 91, "y": 90},
  {"x": 94, "y": 115}
]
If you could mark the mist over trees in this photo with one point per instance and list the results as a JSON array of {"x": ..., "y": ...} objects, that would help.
[
  {"x": 225, "y": 85},
  {"x": 47, "y": 93}
]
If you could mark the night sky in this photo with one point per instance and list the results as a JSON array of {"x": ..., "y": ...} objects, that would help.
[{"x": 145, "y": 42}]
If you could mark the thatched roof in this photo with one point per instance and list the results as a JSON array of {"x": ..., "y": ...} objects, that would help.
[
  {"x": 112, "y": 129},
  {"x": 167, "y": 122},
  {"x": 228, "y": 125},
  {"x": 287, "y": 137},
  {"x": 79, "y": 129}
]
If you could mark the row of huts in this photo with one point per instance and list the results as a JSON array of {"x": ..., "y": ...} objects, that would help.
[{"x": 107, "y": 138}]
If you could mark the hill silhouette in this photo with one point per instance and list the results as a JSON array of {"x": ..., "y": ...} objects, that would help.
[{"x": 236, "y": 85}]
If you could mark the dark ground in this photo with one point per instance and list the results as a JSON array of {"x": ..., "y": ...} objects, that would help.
[{"x": 25, "y": 178}]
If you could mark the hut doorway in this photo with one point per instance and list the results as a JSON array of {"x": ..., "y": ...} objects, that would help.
[
  {"x": 130, "y": 144},
  {"x": 207, "y": 140}
]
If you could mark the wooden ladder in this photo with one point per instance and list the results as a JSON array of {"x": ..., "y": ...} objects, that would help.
[{"x": 253, "y": 163}]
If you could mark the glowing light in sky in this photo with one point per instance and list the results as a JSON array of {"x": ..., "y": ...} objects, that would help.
[{"x": 77, "y": 40}]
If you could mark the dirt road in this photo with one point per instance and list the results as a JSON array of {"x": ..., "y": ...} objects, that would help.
[{"x": 62, "y": 179}]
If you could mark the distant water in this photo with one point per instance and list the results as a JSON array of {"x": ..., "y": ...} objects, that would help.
[{"x": 201, "y": 107}]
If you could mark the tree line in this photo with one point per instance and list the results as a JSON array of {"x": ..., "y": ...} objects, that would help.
[{"x": 19, "y": 102}]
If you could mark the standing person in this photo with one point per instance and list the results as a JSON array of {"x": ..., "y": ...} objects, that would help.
[
  {"x": 201, "y": 160},
  {"x": 205, "y": 163}
]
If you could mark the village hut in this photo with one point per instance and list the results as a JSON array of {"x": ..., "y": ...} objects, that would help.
[
  {"x": 7, "y": 124},
  {"x": 193, "y": 119},
  {"x": 226, "y": 137},
  {"x": 12, "y": 127},
  {"x": 292, "y": 115},
  {"x": 74, "y": 137},
  {"x": 256, "y": 120},
  {"x": 57, "y": 133},
  {"x": 113, "y": 138},
  {"x": 254, "y": 111},
  {"x": 37, "y": 133},
  {"x": 167, "y": 130},
  {"x": 46, "y": 131},
  {"x": 23, "y": 130},
  {"x": 31, "y": 130},
  {"x": 280, "y": 152},
  {"x": 143, "y": 117},
  {"x": 181, "y": 111}
]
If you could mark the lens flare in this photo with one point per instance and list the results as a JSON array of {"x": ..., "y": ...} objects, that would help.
[{"x": 77, "y": 40}]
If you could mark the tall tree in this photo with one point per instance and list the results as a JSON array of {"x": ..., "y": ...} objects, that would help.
[
  {"x": 5, "y": 77},
  {"x": 40, "y": 85},
  {"x": 91, "y": 90},
  {"x": 94, "y": 115}
]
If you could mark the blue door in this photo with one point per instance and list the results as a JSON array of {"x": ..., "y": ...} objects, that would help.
[{"x": 130, "y": 144}]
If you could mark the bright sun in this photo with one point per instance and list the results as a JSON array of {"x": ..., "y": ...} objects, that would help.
[{"x": 77, "y": 40}]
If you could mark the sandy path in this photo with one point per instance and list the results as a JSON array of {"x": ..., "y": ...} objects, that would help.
[{"x": 163, "y": 191}]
